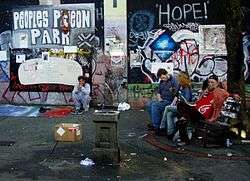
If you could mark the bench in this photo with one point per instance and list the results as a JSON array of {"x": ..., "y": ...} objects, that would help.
[{"x": 217, "y": 132}]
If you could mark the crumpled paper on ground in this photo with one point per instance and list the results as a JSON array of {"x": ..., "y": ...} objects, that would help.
[
  {"x": 87, "y": 162},
  {"x": 123, "y": 106}
]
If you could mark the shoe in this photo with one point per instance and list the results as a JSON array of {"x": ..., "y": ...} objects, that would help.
[
  {"x": 182, "y": 143},
  {"x": 77, "y": 112}
]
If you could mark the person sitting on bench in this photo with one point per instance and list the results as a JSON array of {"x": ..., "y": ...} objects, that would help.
[
  {"x": 168, "y": 126},
  {"x": 207, "y": 107},
  {"x": 165, "y": 95}
]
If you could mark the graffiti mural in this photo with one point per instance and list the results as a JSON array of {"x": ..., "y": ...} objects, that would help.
[
  {"x": 184, "y": 34},
  {"x": 31, "y": 74},
  {"x": 33, "y": 62},
  {"x": 246, "y": 51},
  {"x": 138, "y": 94}
]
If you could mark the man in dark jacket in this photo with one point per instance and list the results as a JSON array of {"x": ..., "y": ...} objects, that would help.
[{"x": 165, "y": 95}]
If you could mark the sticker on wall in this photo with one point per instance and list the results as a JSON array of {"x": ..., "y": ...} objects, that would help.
[
  {"x": 135, "y": 59},
  {"x": 70, "y": 49},
  {"x": 117, "y": 58},
  {"x": 3, "y": 55},
  {"x": 45, "y": 55},
  {"x": 213, "y": 39},
  {"x": 20, "y": 58},
  {"x": 20, "y": 40}
]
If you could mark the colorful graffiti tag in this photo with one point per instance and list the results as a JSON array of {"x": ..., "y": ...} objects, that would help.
[
  {"x": 184, "y": 34},
  {"x": 51, "y": 91}
]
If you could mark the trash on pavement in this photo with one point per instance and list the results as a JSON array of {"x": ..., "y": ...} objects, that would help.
[
  {"x": 165, "y": 159},
  {"x": 245, "y": 141},
  {"x": 68, "y": 132},
  {"x": 87, "y": 162},
  {"x": 209, "y": 155},
  {"x": 243, "y": 134},
  {"x": 127, "y": 160},
  {"x": 131, "y": 134},
  {"x": 142, "y": 136},
  {"x": 133, "y": 154},
  {"x": 123, "y": 106},
  {"x": 229, "y": 154}
]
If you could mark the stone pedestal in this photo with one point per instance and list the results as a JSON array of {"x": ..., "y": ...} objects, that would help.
[{"x": 106, "y": 143}]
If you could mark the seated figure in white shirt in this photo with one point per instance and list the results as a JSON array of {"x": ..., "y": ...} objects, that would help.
[{"x": 81, "y": 95}]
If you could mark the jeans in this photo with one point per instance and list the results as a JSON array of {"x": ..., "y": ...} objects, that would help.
[
  {"x": 80, "y": 98},
  {"x": 168, "y": 119},
  {"x": 155, "y": 110}
]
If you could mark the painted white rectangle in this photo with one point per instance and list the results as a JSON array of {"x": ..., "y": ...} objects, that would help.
[
  {"x": 167, "y": 66},
  {"x": 3, "y": 55},
  {"x": 20, "y": 58},
  {"x": 70, "y": 49},
  {"x": 55, "y": 71},
  {"x": 213, "y": 39}
]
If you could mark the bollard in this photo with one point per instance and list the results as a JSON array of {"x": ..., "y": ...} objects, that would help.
[{"x": 106, "y": 142}]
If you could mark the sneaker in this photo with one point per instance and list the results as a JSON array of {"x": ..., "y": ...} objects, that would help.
[
  {"x": 182, "y": 143},
  {"x": 77, "y": 112}
]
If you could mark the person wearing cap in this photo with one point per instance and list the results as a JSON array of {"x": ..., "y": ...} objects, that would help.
[
  {"x": 81, "y": 95},
  {"x": 207, "y": 107}
]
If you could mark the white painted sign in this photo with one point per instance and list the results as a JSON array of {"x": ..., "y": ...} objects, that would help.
[
  {"x": 55, "y": 71},
  {"x": 3, "y": 55},
  {"x": 70, "y": 49},
  {"x": 51, "y": 26},
  {"x": 20, "y": 58}
]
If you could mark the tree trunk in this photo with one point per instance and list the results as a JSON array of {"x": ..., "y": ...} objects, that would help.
[{"x": 235, "y": 75}]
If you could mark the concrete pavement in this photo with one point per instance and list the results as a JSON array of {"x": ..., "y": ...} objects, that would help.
[{"x": 28, "y": 158}]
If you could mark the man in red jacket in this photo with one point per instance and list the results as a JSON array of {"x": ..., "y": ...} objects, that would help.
[{"x": 207, "y": 107}]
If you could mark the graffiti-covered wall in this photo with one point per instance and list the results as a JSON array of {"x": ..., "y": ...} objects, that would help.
[
  {"x": 119, "y": 44},
  {"x": 45, "y": 47},
  {"x": 178, "y": 35},
  {"x": 115, "y": 46}
]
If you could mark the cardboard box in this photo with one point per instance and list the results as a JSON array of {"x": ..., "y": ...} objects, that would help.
[{"x": 68, "y": 132}]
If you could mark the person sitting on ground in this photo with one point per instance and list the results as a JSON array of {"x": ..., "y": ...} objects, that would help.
[
  {"x": 168, "y": 126},
  {"x": 81, "y": 95},
  {"x": 207, "y": 107},
  {"x": 165, "y": 96}
]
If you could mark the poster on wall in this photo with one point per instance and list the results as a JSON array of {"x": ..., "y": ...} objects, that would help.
[
  {"x": 51, "y": 38},
  {"x": 188, "y": 34}
]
